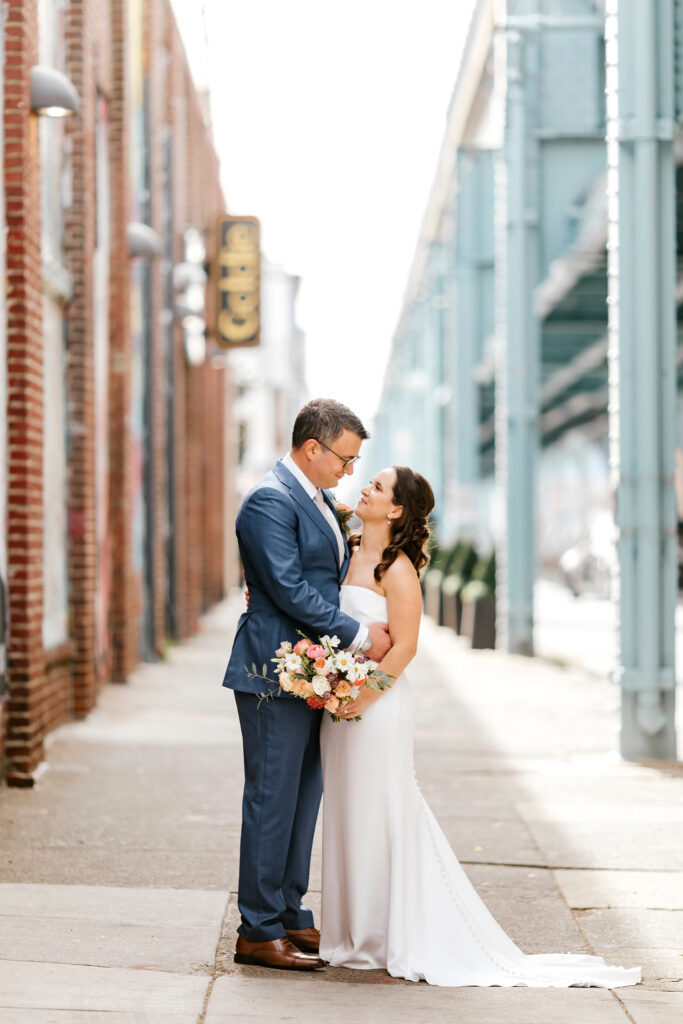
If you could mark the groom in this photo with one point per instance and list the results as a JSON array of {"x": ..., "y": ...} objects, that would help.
[{"x": 295, "y": 556}]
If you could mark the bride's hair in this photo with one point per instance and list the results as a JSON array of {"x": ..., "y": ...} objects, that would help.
[{"x": 409, "y": 531}]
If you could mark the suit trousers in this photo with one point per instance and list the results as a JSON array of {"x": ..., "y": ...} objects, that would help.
[{"x": 282, "y": 793}]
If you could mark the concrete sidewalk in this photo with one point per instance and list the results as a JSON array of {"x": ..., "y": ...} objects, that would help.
[{"x": 118, "y": 870}]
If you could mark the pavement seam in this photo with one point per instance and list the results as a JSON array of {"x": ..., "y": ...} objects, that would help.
[
  {"x": 620, "y": 1001},
  {"x": 568, "y": 867},
  {"x": 576, "y": 917},
  {"x": 214, "y": 970}
]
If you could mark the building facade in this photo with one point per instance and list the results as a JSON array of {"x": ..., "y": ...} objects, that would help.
[
  {"x": 270, "y": 381},
  {"x": 537, "y": 351},
  {"x": 115, "y": 473}
]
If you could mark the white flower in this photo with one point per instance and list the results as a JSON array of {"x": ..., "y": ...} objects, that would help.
[
  {"x": 344, "y": 661},
  {"x": 320, "y": 685},
  {"x": 333, "y": 641},
  {"x": 284, "y": 648},
  {"x": 354, "y": 692},
  {"x": 370, "y": 666},
  {"x": 322, "y": 670},
  {"x": 292, "y": 662},
  {"x": 356, "y": 673}
]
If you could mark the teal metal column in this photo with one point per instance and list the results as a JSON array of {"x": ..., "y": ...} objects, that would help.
[
  {"x": 642, "y": 324},
  {"x": 518, "y": 334},
  {"x": 472, "y": 321}
]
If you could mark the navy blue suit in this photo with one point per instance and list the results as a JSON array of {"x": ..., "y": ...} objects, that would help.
[{"x": 291, "y": 565}]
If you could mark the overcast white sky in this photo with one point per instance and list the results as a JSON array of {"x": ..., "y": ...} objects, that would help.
[{"x": 328, "y": 118}]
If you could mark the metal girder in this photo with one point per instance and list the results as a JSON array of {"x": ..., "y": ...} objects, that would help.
[
  {"x": 642, "y": 360},
  {"x": 517, "y": 376}
]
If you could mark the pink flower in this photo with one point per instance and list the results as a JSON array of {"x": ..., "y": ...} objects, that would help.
[
  {"x": 331, "y": 704},
  {"x": 343, "y": 689},
  {"x": 315, "y": 651},
  {"x": 302, "y": 646}
]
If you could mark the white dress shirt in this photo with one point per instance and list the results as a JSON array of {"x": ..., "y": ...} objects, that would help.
[{"x": 312, "y": 491}]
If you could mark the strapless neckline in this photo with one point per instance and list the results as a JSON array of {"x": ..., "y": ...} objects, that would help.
[
  {"x": 362, "y": 604},
  {"x": 356, "y": 586}
]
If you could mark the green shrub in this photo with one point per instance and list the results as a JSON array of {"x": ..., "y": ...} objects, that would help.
[{"x": 483, "y": 581}]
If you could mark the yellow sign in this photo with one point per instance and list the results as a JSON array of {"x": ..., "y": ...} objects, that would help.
[{"x": 238, "y": 281}]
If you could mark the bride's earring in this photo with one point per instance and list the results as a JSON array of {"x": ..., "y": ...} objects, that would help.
[{"x": 388, "y": 519}]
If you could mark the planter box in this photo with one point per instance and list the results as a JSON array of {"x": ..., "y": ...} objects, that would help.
[
  {"x": 432, "y": 592},
  {"x": 450, "y": 612},
  {"x": 483, "y": 617}
]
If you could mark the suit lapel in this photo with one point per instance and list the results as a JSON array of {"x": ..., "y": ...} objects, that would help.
[{"x": 307, "y": 504}]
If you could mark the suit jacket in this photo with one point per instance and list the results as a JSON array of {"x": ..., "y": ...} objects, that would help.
[{"x": 291, "y": 566}]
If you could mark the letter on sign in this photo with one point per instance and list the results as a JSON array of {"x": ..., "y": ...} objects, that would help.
[{"x": 238, "y": 281}]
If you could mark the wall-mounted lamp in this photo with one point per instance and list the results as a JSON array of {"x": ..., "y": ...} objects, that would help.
[
  {"x": 189, "y": 279},
  {"x": 194, "y": 344},
  {"x": 185, "y": 274},
  {"x": 143, "y": 242},
  {"x": 52, "y": 93}
]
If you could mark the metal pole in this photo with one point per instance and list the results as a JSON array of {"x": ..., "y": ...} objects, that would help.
[
  {"x": 642, "y": 325},
  {"x": 518, "y": 334}
]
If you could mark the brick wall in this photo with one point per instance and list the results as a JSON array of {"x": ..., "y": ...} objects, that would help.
[
  {"x": 80, "y": 227},
  {"x": 26, "y": 671},
  {"x": 45, "y": 687},
  {"x": 123, "y": 617},
  {"x": 156, "y": 13},
  {"x": 4, "y": 715}
]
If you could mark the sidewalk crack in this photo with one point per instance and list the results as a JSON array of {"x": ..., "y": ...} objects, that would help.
[{"x": 215, "y": 969}]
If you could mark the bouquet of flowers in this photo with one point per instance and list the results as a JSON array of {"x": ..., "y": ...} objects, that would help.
[
  {"x": 345, "y": 512},
  {"x": 322, "y": 675}
]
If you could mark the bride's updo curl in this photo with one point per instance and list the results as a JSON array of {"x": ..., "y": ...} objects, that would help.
[{"x": 410, "y": 531}]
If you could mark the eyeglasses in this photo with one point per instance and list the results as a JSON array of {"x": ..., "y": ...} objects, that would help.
[{"x": 347, "y": 462}]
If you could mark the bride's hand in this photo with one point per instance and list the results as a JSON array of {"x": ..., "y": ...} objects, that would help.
[{"x": 356, "y": 707}]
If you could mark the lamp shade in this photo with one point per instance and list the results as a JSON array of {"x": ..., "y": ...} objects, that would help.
[
  {"x": 143, "y": 242},
  {"x": 52, "y": 93}
]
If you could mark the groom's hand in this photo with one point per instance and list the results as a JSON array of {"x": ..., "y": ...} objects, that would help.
[{"x": 381, "y": 641}]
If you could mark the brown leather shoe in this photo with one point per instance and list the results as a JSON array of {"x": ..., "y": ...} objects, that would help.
[
  {"x": 278, "y": 953},
  {"x": 305, "y": 939}
]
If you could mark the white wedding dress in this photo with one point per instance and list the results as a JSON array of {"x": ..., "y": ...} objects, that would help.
[{"x": 393, "y": 893}]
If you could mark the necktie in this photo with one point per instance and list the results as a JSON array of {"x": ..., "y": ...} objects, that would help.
[{"x": 332, "y": 520}]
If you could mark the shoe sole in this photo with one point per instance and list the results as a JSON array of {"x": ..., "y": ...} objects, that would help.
[{"x": 250, "y": 961}]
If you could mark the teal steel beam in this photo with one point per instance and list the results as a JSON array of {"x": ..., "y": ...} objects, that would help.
[
  {"x": 642, "y": 360},
  {"x": 471, "y": 321},
  {"x": 518, "y": 334},
  {"x": 537, "y": 22}
]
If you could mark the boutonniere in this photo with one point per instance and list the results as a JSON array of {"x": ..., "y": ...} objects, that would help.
[{"x": 344, "y": 512}]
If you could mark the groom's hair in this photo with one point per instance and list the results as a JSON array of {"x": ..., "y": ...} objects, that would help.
[{"x": 324, "y": 419}]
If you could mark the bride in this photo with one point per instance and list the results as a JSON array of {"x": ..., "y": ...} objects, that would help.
[{"x": 394, "y": 895}]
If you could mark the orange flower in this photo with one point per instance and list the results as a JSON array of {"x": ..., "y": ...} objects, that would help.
[
  {"x": 343, "y": 689},
  {"x": 286, "y": 682},
  {"x": 303, "y": 688}
]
